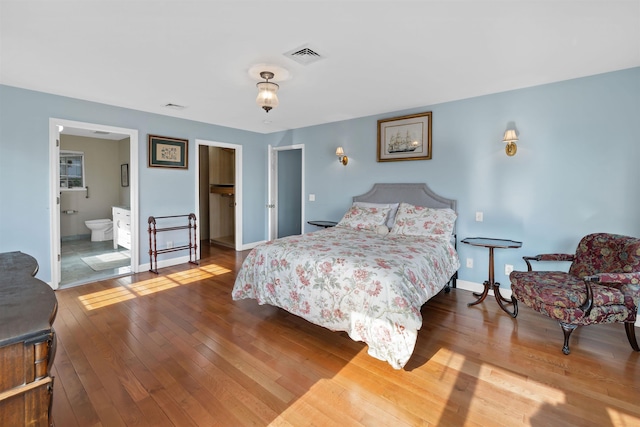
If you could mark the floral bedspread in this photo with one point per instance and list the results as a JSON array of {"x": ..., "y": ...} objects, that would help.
[{"x": 371, "y": 286}]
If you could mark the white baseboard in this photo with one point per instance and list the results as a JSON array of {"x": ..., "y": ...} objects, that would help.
[
  {"x": 248, "y": 246},
  {"x": 185, "y": 259},
  {"x": 165, "y": 263},
  {"x": 478, "y": 287}
]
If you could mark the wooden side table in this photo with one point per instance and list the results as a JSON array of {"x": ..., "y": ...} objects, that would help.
[
  {"x": 491, "y": 283},
  {"x": 324, "y": 224}
]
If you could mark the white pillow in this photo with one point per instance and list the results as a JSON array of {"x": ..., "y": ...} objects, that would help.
[
  {"x": 420, "y": 221},
  {"x": 362, "y": 218},
  {"x": 393, "y": 208}
]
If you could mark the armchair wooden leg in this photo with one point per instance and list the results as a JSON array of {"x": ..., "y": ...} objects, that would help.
[
  {"x": 514, "y": 301},
  {"x": 629, "y": 327},
  {"x": 566, "y": 329}
]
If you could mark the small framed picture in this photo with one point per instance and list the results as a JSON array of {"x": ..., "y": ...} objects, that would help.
[
  {"x": 124, "y": 175},
  {"x": 405, "y": 138},
  {"x": 165, "y": 152}
]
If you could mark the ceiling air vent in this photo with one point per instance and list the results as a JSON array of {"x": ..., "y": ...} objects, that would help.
[
  {"x": 304, "y": 55},
  {"x": 175, "y": 106}
]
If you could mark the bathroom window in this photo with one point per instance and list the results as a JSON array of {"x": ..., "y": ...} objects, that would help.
[{"x": 71, "y": 170}]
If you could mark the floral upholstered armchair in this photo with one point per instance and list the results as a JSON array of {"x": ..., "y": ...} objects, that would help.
[{"x": 601, "y": 286}]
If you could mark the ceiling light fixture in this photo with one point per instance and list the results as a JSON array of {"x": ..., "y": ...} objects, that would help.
[{"x": 267, "y": 92}]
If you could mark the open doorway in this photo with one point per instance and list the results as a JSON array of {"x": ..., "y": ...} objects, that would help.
[
  {"x": 94, "y": 187},
  {"x": 286, "y": 191},
  {"x": 219, "y": 193}
]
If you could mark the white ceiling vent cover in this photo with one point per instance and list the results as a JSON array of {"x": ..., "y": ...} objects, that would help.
[
  {"x": 304, "y": 55},
  {"x": 175, "y": 106}
]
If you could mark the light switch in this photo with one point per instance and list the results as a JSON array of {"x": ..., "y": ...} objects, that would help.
[{"x": 312, "y": 197}]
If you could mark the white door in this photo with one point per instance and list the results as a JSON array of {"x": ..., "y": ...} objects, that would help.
[
  {"x": 56, "y": 252},
  {"x": 272, "y": 186}
]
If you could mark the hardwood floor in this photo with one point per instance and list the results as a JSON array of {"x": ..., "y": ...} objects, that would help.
[{"x": 175, "y": 350}]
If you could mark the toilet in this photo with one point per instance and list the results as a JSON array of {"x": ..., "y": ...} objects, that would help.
[{"x": 101, "y": 229}]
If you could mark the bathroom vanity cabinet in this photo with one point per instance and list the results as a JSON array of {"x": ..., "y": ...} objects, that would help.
[
  {"x": 121, "y": 227},
  {"x": 28, "y": 308}
]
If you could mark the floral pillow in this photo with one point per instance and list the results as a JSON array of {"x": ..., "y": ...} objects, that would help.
[
  {"x": 393, "y": 208},
  {"x": 420, "y": 221},
  {"x": 363, "y": 218}
]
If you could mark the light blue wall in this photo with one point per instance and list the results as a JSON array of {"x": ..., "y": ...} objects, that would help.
[
  {"x": 576, "y": 170},
  {"x": 24, "y": 168}
]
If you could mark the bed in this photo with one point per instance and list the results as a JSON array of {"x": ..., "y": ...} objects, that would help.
[{"x": 370, "y": 275}]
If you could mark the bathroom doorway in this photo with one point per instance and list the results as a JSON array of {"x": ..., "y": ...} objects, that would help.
[{"x": 94, "y": 178}]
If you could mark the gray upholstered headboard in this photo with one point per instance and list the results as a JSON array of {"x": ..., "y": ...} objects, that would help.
[{"x": 415, "y": 194}]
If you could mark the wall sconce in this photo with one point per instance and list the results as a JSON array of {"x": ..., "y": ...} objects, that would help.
[
  {"x": 341, "y": 157},
  {"x": 510, "y": 139},
  {"x": 267, "y": 92}
]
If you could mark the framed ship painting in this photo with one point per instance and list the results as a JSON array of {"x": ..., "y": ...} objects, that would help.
[{"x": 405, "y": 138}]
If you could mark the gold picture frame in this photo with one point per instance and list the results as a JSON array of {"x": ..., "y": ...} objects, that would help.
[
  {"x": 405, "y": 138},
  {"x": 166, "y": 152}
]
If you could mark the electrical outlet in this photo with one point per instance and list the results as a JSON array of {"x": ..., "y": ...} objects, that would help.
[
  {"x": 469, "y": 262},
  {"x": 169, "y": 244},
  {"x": 508, "y": 268},
  {"x": 479, "y": 216}
]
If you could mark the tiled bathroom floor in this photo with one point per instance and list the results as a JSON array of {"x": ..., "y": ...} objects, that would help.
[{"x": 75, "y": 271}]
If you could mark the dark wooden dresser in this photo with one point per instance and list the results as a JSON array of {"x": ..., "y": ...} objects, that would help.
[{"x": 27, "y": 342}]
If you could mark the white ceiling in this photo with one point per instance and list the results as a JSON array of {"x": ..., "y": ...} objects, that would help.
[{"x": 378, "y": 56}]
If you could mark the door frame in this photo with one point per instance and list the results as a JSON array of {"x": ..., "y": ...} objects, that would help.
[
  {"x": 272, "y": 188},
  {"x": 54, "y": 190},
  {"x": 237, "y": 186}
]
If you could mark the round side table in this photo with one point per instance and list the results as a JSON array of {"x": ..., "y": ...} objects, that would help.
[
  {"x": 324, "y": 224},
  {"x": 492, "y": 244}
]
